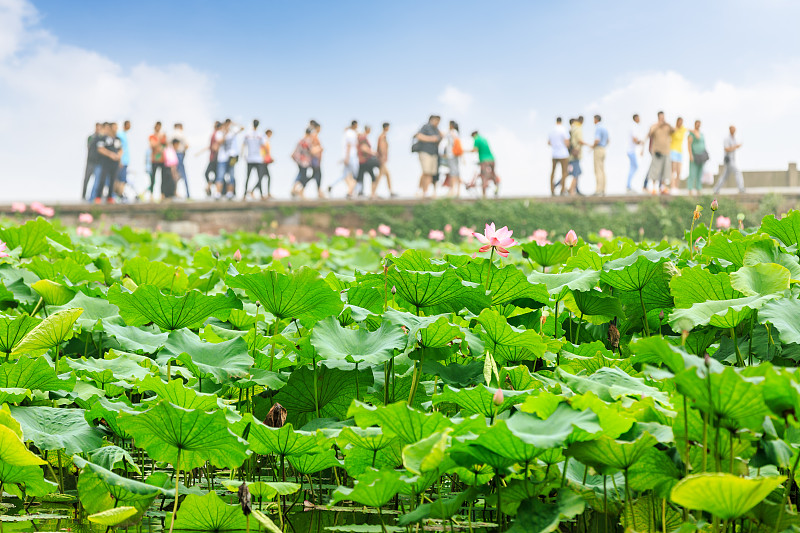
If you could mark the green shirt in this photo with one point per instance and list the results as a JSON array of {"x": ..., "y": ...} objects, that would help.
[{"x": 484, "y": 152}]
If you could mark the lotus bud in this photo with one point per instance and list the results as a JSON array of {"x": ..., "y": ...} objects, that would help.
[
  {"x": 697, "y": 210},
  {"x": 276, "y": 416},
  {"x": 394, "y": 290},
  {"x": 237, "y": 255},
  {"x": 661, "y": 315},
  {"x": 571, "y": 238},
  {"x": 641, "y": 232},
  {"x": 543, "y": 319},
  {"x": 707, "y": 360},
  {"x": 497, "y": 399},
  {"x": 524, "y": 254},
  {"x": 714, "y": 204}
]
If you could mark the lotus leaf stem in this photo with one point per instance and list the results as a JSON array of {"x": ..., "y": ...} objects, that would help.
[
  {"x": 739, "y": 359},
  {"x": 786, "y": 490},
  {"x": 177, "y": 487}
]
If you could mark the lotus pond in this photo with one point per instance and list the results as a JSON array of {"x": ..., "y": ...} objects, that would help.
[{"x": 370, "y": 383}]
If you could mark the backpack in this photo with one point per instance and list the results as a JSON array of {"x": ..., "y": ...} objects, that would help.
[
  {"x": 302, "y": 154},
  {"x": 457, "y": 148}
]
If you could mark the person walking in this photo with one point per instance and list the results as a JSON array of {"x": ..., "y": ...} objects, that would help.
[
  {"x": 213, "y": 150},
  {"x": 158, "y": 142},
  {"x": 180, "y": 151},
  {"x": 109, "y": 150},
  {"x": 599, "y": 147},
  {"x": 302, "y": 156},
  {"x": 122, "y": 174},
  {"x": 266, "y": 153},
  {"x": 731, "y": 146},
  {"x": 367, "y": 161},
  {"x": 676, "y": 151},
  {"x": 426, "y": 144},
  {"x": 91, "y": 158},
  {"x": 349, "y": 159},
  {"x": 660, "y": 135},
  {"x": 383, "y": 158},
  {"x": 452, "y": 153},
  {"x": 576, "y": 145},
  {"x": 698, "y": 155},
  {"x": 558, "y": 140},
  {"x": 316, "y": 157},
  {"x": 635, "y": 140},
  {"x": 486, "y": 162},
  {"x": 253, "y": 142}
]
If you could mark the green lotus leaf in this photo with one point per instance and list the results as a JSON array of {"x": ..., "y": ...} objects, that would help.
[
  {"x": 428, "y": 453},
  {"x": 53, "y": 293},
  {"x": 311, "y": 463},
  {"x": 785, "y": 229},
  {"x": 438, "y": 334},
  {"x": 761, "y": 279},
  {"x": 373, "y": 488},
  {"x": 502, "y": 339},
  {"x": 148, "y": 304},
  {"x": 563, "y": 426},
  {"x": 766, "y": 251},
  {"x": 33, "y": 373},
  {"x": 731, "y": 246},
  {"x": 399, "y": 420},
  {"x": 593, "y": 305},
  {"x": 176, "y": 393},
  {"x": 113, "y": 517},
  {"x": 558, "y": 284},
  {"x": 357, "y": 345},
  {"x": 589, "y": 357},
  {"x": 168, "y": 278},
  {"x": 640, "y": 516},
  {"x": 52, "y": 429},
  {"x": 611, "y": 384},
  {"x": 302, "y": 294},
  {"x": 13, "y": 329},
  {"x": 507, "y": 283},
  {"x": 718, "y": 313},
  {"x": 117, "y": 366},
  {"x": 534, "y": 516},
  {"x": 657, "y": 351},
  {"x": 634, "y": 272},
  {"x": 479, "y": 399},
  {"x": 64, "y": 269},
  {"x": 266, "y": 521},
  {"x": 147, "y": 339},
  {"x": 24, "y": 481},
  {"x": 284, "y": 441},
  {"x": 373, "y": 439},
  {"x": 455, "y": 374},
  {"x": 606, "y": 454},
  {"x": 222, "y": 362},
  {"x": 107, "y": 411},
  {"x": 783, "y": 315},
  {"x": 654, "y": 470},
  {"x": 207, "y": 513},
  {"x": 266, "y": 490},
  {"x": 13, "y": 451},
  {"x": 547, "y": 255},
  {"x": 31, "y": 237},
  {"x": 113, "y": 458},
  {"x": 500, "y": 438},
  {"x": 723, "y": 495},
  {"x": 94, "y": 310},
  {"x": 185, "y": 438},
  {"x": 586, "y": 258},
  {"x": 443, "y": 290},
  {"x": 442, "y": 508},
  {"x": 335, "y": 388},
  {"x": 49, "y": 333}
]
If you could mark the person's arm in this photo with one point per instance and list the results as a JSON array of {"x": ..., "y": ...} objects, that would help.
[
  {"x": 689, "y": 145},
  {"x": 102, "y": 150}
]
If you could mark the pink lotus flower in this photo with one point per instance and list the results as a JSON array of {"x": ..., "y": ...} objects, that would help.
[
  {"x": 359, "y": 232},
  {"x": 292, "y": 238},
  {"x": 540, "y": 236},
  {"x": 47, "y": 212},
  {"x": 448, "y": 228},
  {"x": 280, "y": 253},
  {"x": 605, "y": 234},
  {"x": 499, "y": 240},
  {"x": 85, "y": 218},
  {"x": 497, "y": 399},
  {"x": 391, "y": 251},
  {"x": 18, "y": 207},
  {"x": 436, "y": 235},
  {"x": 465, "y": 231},
  {"x": 3, "y": 248},
  {"x": 37, "y": 207},
  {"x": 325, "y": 254},
  {"x": 372, "y": 233},
  {"x": 383, "y": 229},
  {"x": 571, "y": 239},
  {"x": 341, "y": 232},
  {"x": 237, "y": 255},
  {"x": 83, "y": 231},
  {"x": 723, "y": 222}
]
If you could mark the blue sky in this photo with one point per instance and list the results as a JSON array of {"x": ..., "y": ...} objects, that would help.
[{"x": 511, "y": 66}]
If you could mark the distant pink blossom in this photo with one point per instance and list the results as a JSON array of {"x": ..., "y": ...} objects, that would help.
[
  {"x": 571, "y": 239},
  {"x": 359, "y": 232},
  {"x": 18, "y": 207},
  {"x": 36, "y": 207},
  {"x": 83, "y": 231},
  {"x": 341, "y": 232},
  {"x": 280, "y": 253},
  {"x": 605, "y": 234},
  {"x": 292, "y": 238},
  {"x": 85, "y": 218},
  {"x": 237, "y": 255},
  {"x": 497, "y": 239},
  {"x": 465, "y": 231},
  {"x": 723, "y": 222},
  {"x": 383, "y": 229},
  {"x": 436, "y": 235},
  {"x": 497, "y": 398},
  {"x": 540, "y": 236},
  {"x": 372, "y": 233},
  {"x": 3, "y": 248},
  {"x": 391, "y": 251},
  {"x": 325, "y": 254},
  {"x": 47, "y": 212},
  {"x": 448, "y": 228}
]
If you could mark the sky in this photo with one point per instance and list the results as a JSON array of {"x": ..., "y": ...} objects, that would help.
[{"x": 506, "y": 68}]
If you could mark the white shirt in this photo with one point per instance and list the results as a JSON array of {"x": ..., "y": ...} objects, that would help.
[
  {"x": 254, "y": 140},
  {"x": 730, "y": 142},
  {"x": 634, "y": 133},
  {"x": 558, "y": 137},
  {"x": 181, "y": 137},
  {"x": 350, "y": 139},
  {"x": 222, "y": 154}
]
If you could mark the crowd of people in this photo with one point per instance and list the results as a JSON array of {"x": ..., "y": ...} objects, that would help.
[
  {"x": 440, "y": 156},
  {"x": 662, "y": 140}
]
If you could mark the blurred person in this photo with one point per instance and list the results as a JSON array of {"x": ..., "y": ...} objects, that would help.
[
  {"x": 180, "y": 151},
  {"x": 676, "y": 151},
  {"x": 122, "y": 174},
  {"x": 349, "y": 159},
  {"x": 558, "y": 140},
  {"x": 599, "y": 147},
  {"x": 367, "y": 161},
  {"x": 316, "y": 157},
  {"x": 731, "y": 146},
  {"x": 91, "y": 158},
  {"x": 109, "y": 150},
  {"x": 234, "y": 151},
  {"x": 698, "y": 156},
  {"x": 158, "y": 142},
  {"x": 302, "y": 156},
  {"x": 170, "y": 179},
  {"x": 213, "y": 150},
  {"x": 452, "y": 153},
  {"x": 266, "y": 154},
  {"x": 486, "y": 162},
  {"x": 635, "y": 140},
  {"x": 254, "y": 141},
  {"x": 660, "y": 135},
  {"x": 427, "y": 146},
  {"x": 383, "y": 158},
  {"x": 576, "y": 144},
  {"x": 226, "y": 159}
]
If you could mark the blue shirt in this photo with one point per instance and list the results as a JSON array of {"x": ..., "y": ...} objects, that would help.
[
  {"x": 601, "y": 135},
  {"x": 126, "y": 153}
]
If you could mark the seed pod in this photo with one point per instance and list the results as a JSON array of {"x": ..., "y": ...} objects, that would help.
[
  {"x": 244, "y": 499},
  {"x": 276, "y": 417}
]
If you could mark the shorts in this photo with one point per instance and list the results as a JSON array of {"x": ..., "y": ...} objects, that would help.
[
  {"x": 676, "y": 156},
  {"x": 453, "y": 166},
  {"x": 429, "y": 163},
  {"x": 487, "y": 172},
  {"x": 122, "y": 174}
]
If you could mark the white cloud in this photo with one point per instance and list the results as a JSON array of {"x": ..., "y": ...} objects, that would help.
[
  {"x": 51, "y": 95},
  {"x": 454, "y": 99}
]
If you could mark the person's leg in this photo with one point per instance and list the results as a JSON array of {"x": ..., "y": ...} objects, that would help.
[
  {"x": 220, "y": 175},
  {"x": 739, "y": 178},
  {"x": 182, "y": 172},
  {"x": 250, "y": 168},
  {"x": 86, "y": 177},
  {"x": 723, "y": 177},
  {"x": 211, "y": 169},
  {"x": 634, "y": 164},
  {"x": 152, "y": 178},
  {"x": 553, "y": 178},
  {"x": 598, "y": 170},
  {"x": 112, "y": 180},
  {"x": 665, "y": 172},
  {"x": 269, "y": 180}
]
